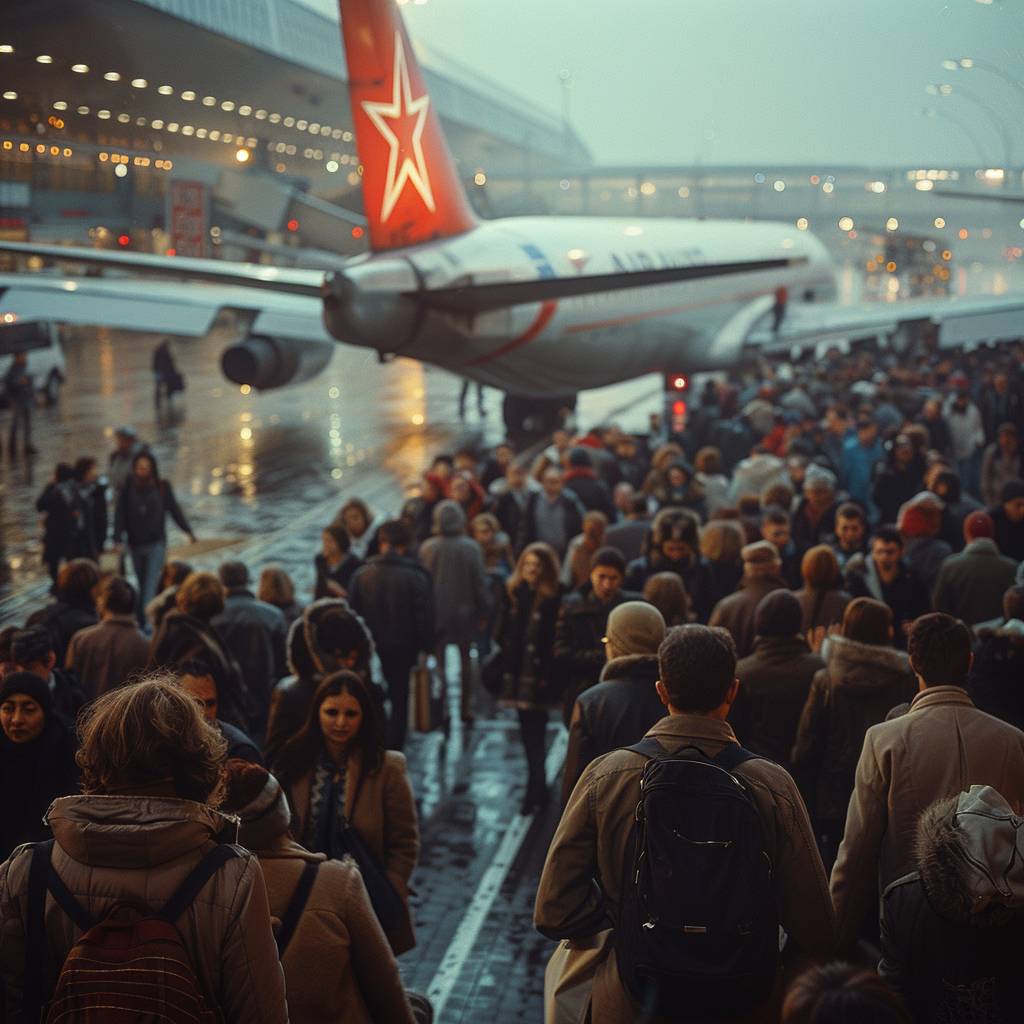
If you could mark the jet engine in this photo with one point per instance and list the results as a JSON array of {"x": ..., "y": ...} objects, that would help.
[{"x": 265, "y": 362}]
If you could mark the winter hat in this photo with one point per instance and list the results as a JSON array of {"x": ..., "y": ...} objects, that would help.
[
  {"x": 30, "y": 685},
  {"x": 760, "y": 553},
  {"x": 256, "y": 797},
  {"x": 635, "y": 627},
  {"x": 31, "y": 644},
  {"x": 579, "y": 458},
  {"x": 449, "y": 520},
  {"x": 1012, "y": 490},
  {"x": 778, "y": 614},
  {"x": 978, "y": 525},
  {"x": 921, "y": 516},
  {"x": 818, "y": 478}
]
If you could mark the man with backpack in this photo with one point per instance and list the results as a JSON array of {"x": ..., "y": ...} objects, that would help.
[{"x": 693, "y": 852}]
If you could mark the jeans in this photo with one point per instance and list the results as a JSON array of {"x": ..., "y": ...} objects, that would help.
[
  {"x": 396, "y": 667},
  {"x": 148, "y": 563},
  {"x": 465, "y": 671}
]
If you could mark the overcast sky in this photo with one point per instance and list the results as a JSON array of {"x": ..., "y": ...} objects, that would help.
[{"x": 743, "y": 81}]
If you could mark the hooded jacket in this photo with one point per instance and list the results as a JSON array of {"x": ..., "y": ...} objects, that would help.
[
  {"x": 970, "y": 586},
  {"x": 394, "y": 595},
  {"x": 111, "y": 849},
  {"x": 953, "y": 929},
  {"x": 456, "y": 566},
  {"x": 995, "y": 680},
  {"x": 859, "y": 685},
  {"x": 617, "y": 712},
  {"x": 338, "y": 966}
]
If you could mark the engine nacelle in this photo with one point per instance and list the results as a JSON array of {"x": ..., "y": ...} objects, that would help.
[{"x": 264, "y": 362}]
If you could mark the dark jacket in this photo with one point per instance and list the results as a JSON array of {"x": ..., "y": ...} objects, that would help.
[
  {"x": 108, "y": 654},
  {"x": 254, "y": 632},
  {"x": 617, "y": 712},
  {"x": 572, "y": 510},
  {"x": 92, "y": 499},
  {"x": 736, "y": 612},
  {"x": 859, "y": 685},
  {"x": 239, "y": 744},
  {"x": 525, "y": 634},
  {"x": 509, "y": 511},
  {"x": 925, "y": 556},
  {"x": 895, "y": 486},
  {"x": 1009, "y": 535},
  {"x": 141, "y": 513},
  {"x": 821, "y": 607},
  {"x": 65, "y": 524},
  {"x": 996, "y": 682},
  {"x": 591, "y": 490},
  {"x": 950, "y": 962},
  {"x": 394, "y": 595},
  {"x": 971, "y": 585},
  {"x": 341, "y": 574},
  {"x": 906, "y": 596},
  {"x": 696, "y": 574},
  {"x": 182, "y": 637},
  {"x": 32, "y": 775},
  {"x": 63, "y": 620},
  {"x": 579, "y": 653},
  {"x": 628, "y": 537},
  {"x": 806, "y": 533},
  {"x": 774, "y": 683}
]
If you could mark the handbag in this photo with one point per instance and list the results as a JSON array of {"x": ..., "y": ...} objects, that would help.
[
  {"x": 492, "y": 671},
  {"x": 387, "y": 904},
  {"x": 427, "y": 693}
]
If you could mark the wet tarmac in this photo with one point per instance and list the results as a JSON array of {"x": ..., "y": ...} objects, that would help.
[{"x": 258, "y": 475}]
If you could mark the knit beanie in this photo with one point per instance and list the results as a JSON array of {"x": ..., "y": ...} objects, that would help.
[
  {"x": 761, "y": 553},
  {"x": 256, "y": 797},
  {"x": 778, "y": 614},
  {"x": 978, "y": 525},
  {"x": 30, "y": 685},
  {"x": 635, "y": 627}
]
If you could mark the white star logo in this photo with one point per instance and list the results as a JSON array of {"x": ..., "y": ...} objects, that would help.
[{"x": 401, "y": 108}]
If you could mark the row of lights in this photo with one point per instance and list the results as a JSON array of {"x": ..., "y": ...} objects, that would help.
[{"x": 8, "y": 145}]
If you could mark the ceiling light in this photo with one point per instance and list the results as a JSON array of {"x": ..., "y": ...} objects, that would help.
[
  {"x": 82, "y": 110},
  {"x": 10, "y": 95},
  {"x": 208, "y": 101},
  {"x": 80, "y": 69},
  {"x": 44, "y": 58},
  {"x": 245, "y": 110},
  {"x": 123, "y": 118},
  {"x": 261, "y": 115},
  {"x": 103, "y": 115},
  {"x": 242, "y": 156},
  {"x": 121, "y": 170},
  {"x": 60, "y": 105},
  {"x": 228, "y": 106},
  {"x": 6, "y": 48},
  {"x": 165, "y": 90},
  {"x": 188, "y": 96},
  {"x": 139, "y": 83},
  {"x": 112, "y": 76},
  {"x": 157, "y": 123}
]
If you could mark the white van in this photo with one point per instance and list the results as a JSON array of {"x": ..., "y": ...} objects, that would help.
[{"x": 41, "y": 340}]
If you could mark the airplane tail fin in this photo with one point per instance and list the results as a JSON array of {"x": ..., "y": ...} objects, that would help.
[{"x": 411, "y": 189}]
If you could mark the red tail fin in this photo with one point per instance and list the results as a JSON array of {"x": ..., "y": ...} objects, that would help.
[{"x": 411, "y": 190}]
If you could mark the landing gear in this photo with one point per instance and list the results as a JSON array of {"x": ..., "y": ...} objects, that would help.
[{"x": 528, "y": 419}]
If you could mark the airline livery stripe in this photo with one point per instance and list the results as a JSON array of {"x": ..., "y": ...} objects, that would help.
[{"x": 547, "y": 311}]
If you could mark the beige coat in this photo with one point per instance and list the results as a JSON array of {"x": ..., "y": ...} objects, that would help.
[
  {"x": 338, "y": 966},
  {"x": 385, "y": 818},
  {"x": 592, "y": 842},
  {"x": 942, "y": 746},
  {"x": 114, "y": 848},
  {"x": 108, "y": 654}
]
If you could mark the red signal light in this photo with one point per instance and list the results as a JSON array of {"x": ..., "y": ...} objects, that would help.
[
  {"x": 123, "y": 241},
  {"x": 358, "y": 232},
  {"x": 679, "y": 408},
  {"x": 293, "y": 225}
]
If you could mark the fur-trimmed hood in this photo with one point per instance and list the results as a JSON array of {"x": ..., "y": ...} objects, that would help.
[
  {"x": 864, "y": 666},
  {"x": 631, "y": 666},
  {"x": 969, "y": 857},
  {"x": 302, "y": 638}
]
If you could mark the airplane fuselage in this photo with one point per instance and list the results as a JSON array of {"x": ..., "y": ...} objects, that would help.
[{"x": 560, "y": 346}]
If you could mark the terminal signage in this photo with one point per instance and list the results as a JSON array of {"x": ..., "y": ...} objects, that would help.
[{"x": 188, "y": 203}]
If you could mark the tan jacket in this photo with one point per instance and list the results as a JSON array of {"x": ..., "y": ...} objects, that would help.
[
  {"x": 942, "y": 746},
  {"x": 591, "y": 845},
  {"x": 115, "y": 848},
  {"x": 108, "y": 654},
  {"x": 338, "y": 966},
  {"x": 385, "y": 817}
]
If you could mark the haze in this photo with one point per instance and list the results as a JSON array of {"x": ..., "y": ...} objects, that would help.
[{"x": 743, "y": 81}]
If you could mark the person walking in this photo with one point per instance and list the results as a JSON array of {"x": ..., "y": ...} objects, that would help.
[
  {"x": 461, "y": 595},
  {"x": 335, "y": 565},
  {"x": 762, "y": 573},
  {"x": 524, "y": 664},
  {"x": 822, "y": 598},
  {"x": 337, "y": 775},
  {"x": 395, "y": 597},
  {"x": 21, "y": 395},
  {"x": 140, "y": 521},
  {"x": 146, "y": 820}
]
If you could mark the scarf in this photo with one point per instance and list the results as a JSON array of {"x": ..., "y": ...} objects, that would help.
[{"x": 327, "y": 809}]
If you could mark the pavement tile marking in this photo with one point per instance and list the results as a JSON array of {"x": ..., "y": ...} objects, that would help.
[{"x": 461, "y": 947}]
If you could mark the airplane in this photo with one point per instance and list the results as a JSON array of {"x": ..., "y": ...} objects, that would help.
[{"x": 539, "y": 307}]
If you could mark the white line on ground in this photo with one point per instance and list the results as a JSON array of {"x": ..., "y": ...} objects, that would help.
[{"x": 486, "y": 893}]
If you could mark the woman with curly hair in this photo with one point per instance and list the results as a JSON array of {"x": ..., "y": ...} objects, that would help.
[
  {"x": 151, "y": 777},
  {"x": 337, "y": 774}
]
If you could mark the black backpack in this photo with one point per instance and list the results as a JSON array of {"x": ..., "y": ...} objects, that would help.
[{"x": 698, "y": 929}]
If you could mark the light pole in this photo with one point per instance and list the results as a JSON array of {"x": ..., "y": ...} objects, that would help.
[
  {"x": 963, "y": 126},
  {"x": 945, "y": 89}
]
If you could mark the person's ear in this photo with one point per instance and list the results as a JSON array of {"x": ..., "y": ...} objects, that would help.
[
  {"x": 730, "y": 697},
  {"x": 662, "y": 693}
]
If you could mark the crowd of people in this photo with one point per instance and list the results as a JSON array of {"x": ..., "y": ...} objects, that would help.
[{"x": 786, "y": 641}]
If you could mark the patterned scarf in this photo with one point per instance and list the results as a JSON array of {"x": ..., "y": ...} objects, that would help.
[{"x": 327, "y": 809}]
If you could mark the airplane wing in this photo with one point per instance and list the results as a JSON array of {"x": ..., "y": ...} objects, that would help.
[
  {"x": 991, "y": 197},
  {"x": 958, "y": 321}
]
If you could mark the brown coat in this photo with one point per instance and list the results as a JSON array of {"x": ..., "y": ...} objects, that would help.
[
  {"x": 108, "y": 654},
  {"x": 338, "y": 966},
  {"x": 822, "y": 608},
  {"x": 385, "y": 818},
  {"x": 942, "y": 746},
  {"x": 114, "y": 848},
  {"x": 592, "y": 841},
  {"x": 736, "y": 612}
]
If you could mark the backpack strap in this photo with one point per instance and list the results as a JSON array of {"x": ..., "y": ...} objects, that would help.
[
  {"x": 648, "y": 747},
  {"x": 731, "y": 756},
  {"x": 296, "y": 905},
  {"x": 197, "y": 878}
]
